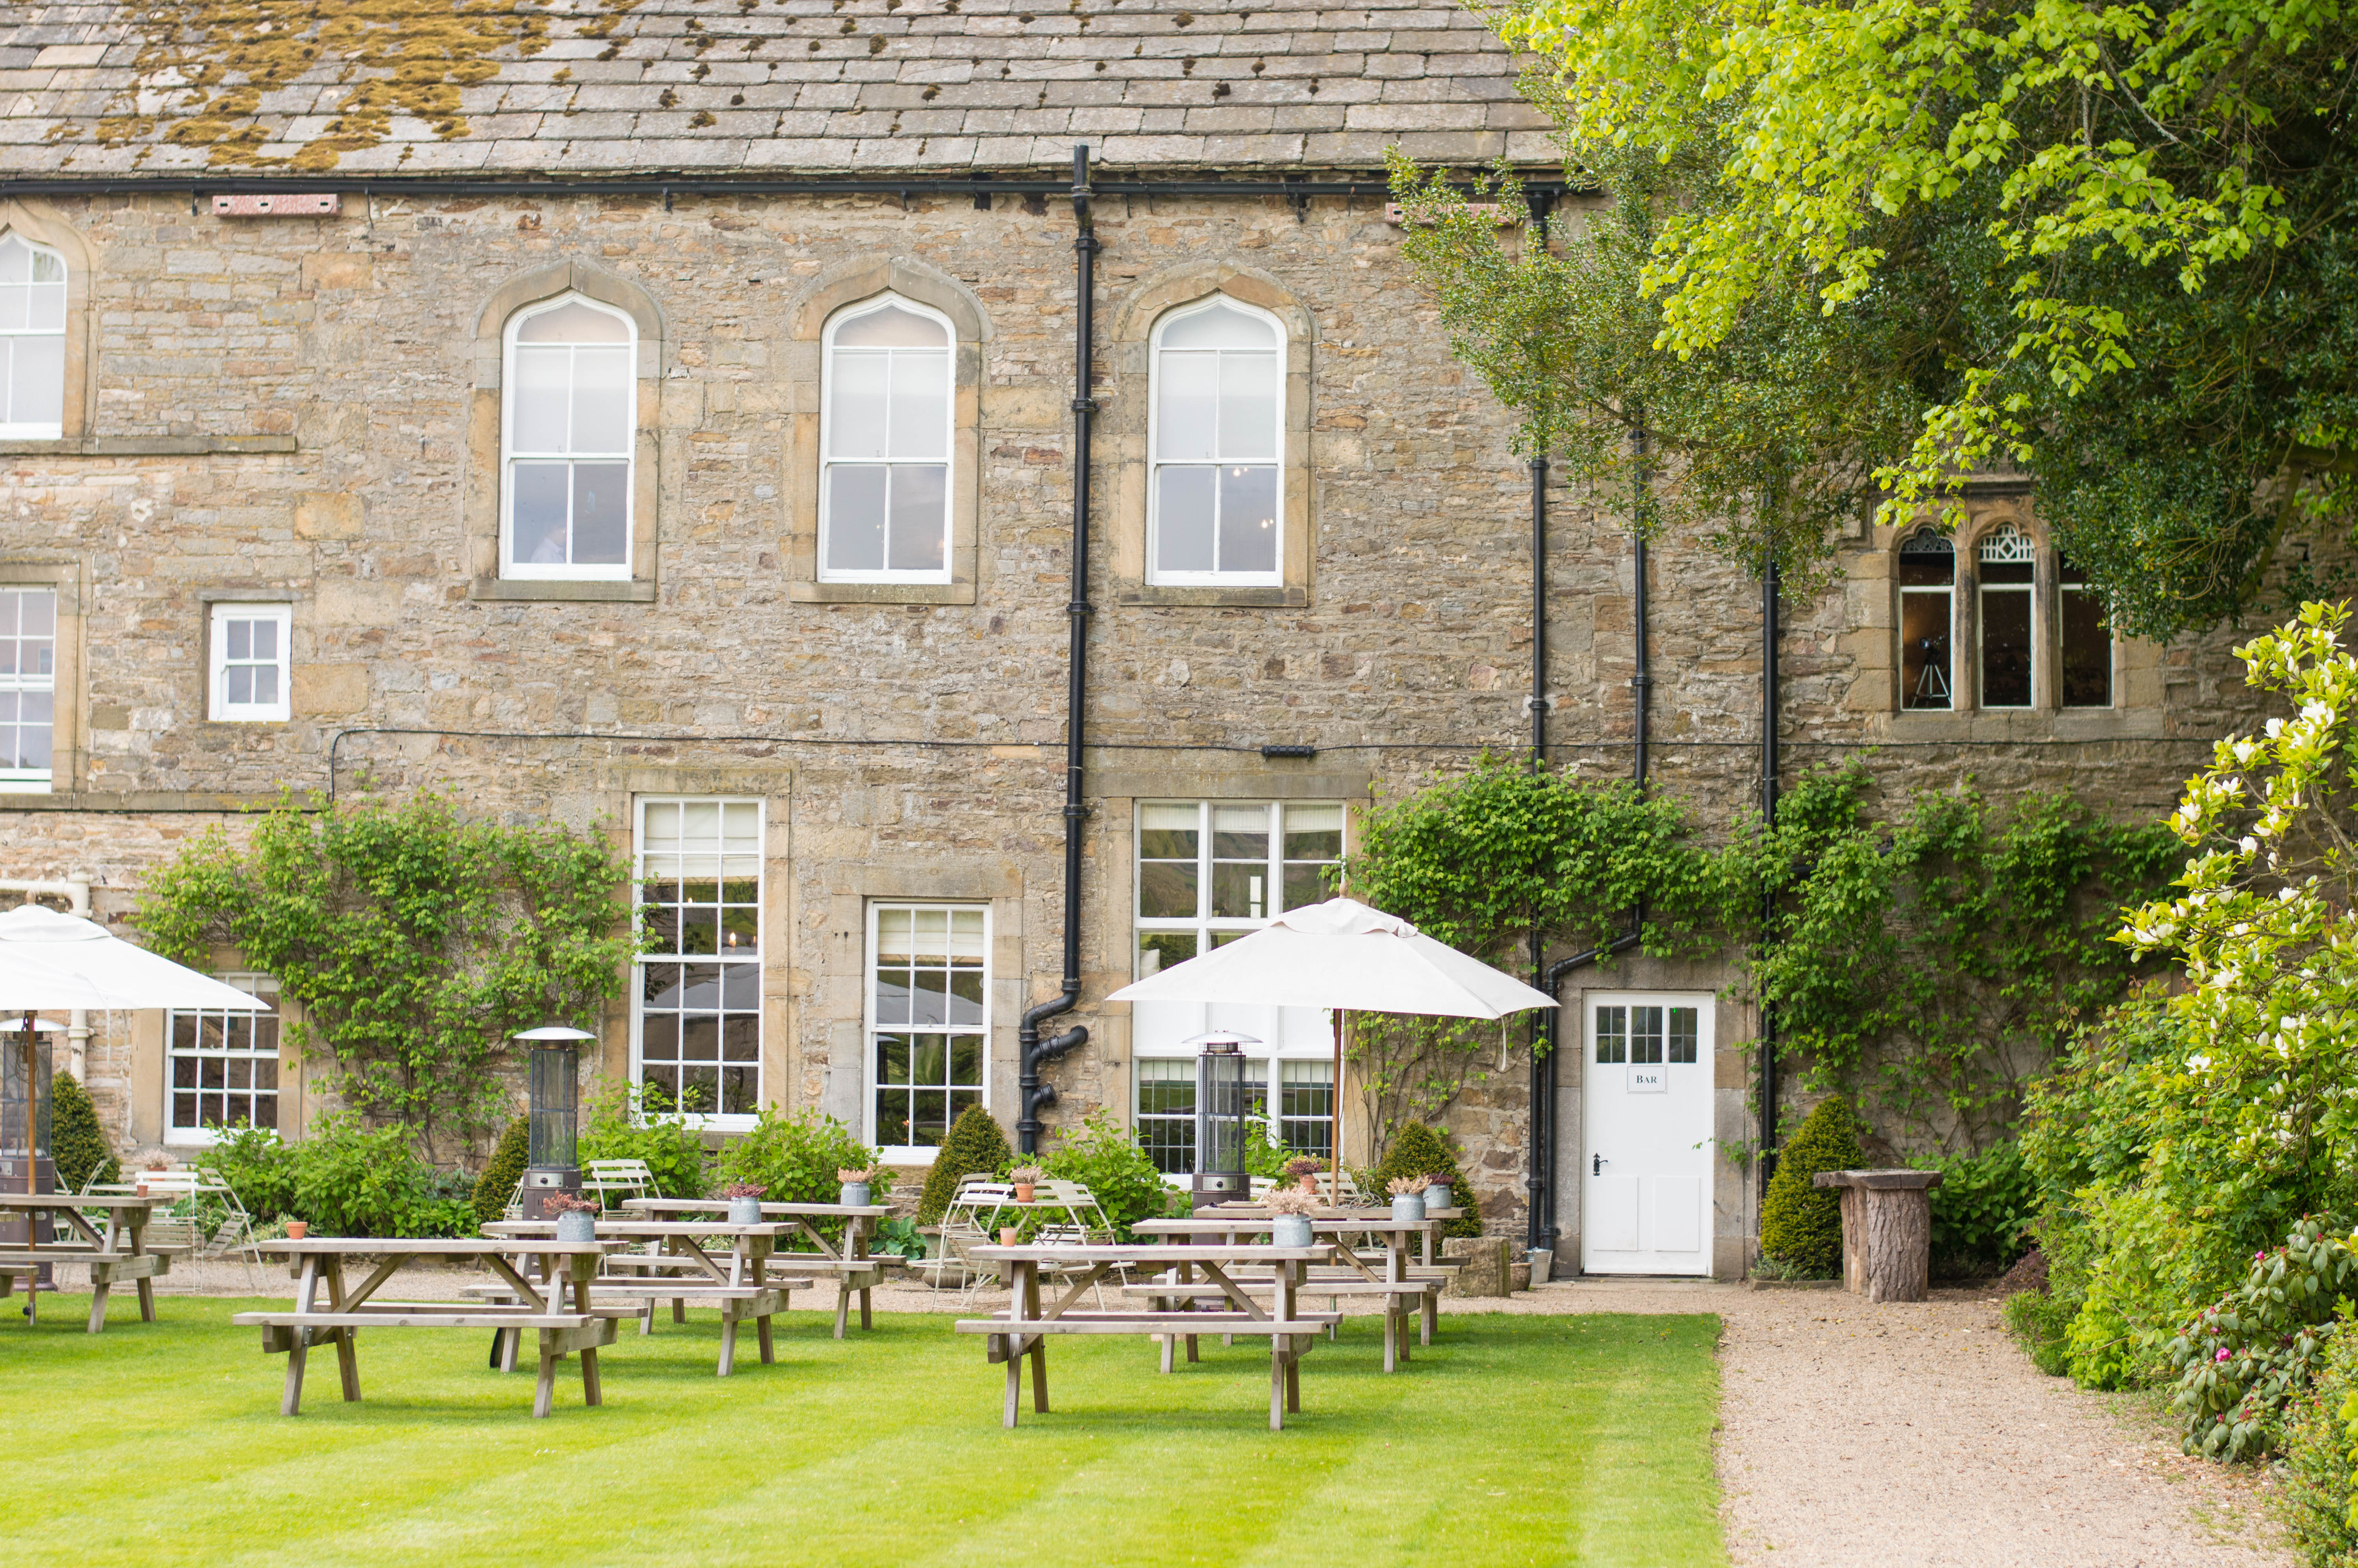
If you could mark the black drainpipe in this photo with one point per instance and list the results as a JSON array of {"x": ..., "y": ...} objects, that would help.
[
  {"x": 1031, "y": 1050},
  {"x": 1641, "y": 687},
  {"x": 1540, "y": 1165},
  {"x": 1768, "y": 816}
]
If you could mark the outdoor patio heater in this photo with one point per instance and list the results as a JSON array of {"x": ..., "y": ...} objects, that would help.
[
  {"x": 550, "y": 1163},
  {"x": 25, "y": 1163},
  {"x": 1220, "y": 1118}
]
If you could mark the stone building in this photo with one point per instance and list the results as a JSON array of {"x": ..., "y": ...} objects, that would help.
[{"x": 660, "y": 417}]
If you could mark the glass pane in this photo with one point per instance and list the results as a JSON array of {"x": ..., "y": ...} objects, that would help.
[
  {"x": 36, "y": 378},
  {"x": 1220, "y": 325},
  {"x": 575, "y": 321},
  {"x": 921, "y": 407},
  {"x": 740, "y": 1040},
  {"x": 856, "y": 403},
  {"x": 1166, "y": 890},
  {"x": 699, "y": 1039},
  {"x": 966, "y": 935},
  {"x": 536, "y": 526},
  {"x": 892, "y": 327},
  {"x": 539, "y": 400},
  {"x": 919, "y": 518},
  {"x": 1168, "y": 832},
  {"x": 15, "y": 301},
  {"x": 46, "y": 306},
  {"x": 2087, "y": 651},
  {"x": 1646, "y": 1035},
  {"x": 893, "y": 1118},
  {"x": 929, "y": 1059},
  {"x": 1239, "y": 890},
  {"x": 601, "y": 401},
  {"x": 741, "y": 987},
  {"x": 929, "y": 996},
  {"x": 893, "y": 934},
  {"x": 966, "y": 1061},
  {"x": 892, "y": 1059},
  {"x": 601, "y": 513},
  {"x": 1158, "y": 950},
  {"x": 929, "y": 1117},
  {"x": 1241, "y": 832},
  {"x": 265, "y": 639},
  {"x": 239, "y": 639},
  {"x": 2005, "y": 648},
  {"x": 240, "y": 683},
  {"x": 700, "y": 987},
  {"x": 892, "y": 996},
  {"x": 699, "y": 1088},
  {"x": 1248, "y": 519},
  {"x": 266, "y": 684},
  {"x": 965, "y": 996},
  {"x": 659, "y": 1037},
  {"x": 1249, "y": 422},
  {"x": 1924, "y": 649},
  {"x": 740, "y": 1090},
  {"x": 1183, "y": 519},
  {"x": 1683, "y": 1035},
  {"x": 855, "y": 519},
  {"x": 16, "y": 259},
  {"x": 1313, "y": 832},
  {"x": 1611, "y": 1034},
  {"x": 1306, "y": 884},
  {"x": 1186, "y": 404}
]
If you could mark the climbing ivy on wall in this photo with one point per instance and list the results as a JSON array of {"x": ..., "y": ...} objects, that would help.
[{"x": 415, "y": 942}]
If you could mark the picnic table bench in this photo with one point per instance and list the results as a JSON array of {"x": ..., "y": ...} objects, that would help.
[
  {"x": 117, "y": 1256},
  {"x": 1024, "y": 1329},
  {"x": 581, "y": 1331},
  {"x": 853, "y": 1269},
  {"x": 1402, "y": 1287},
  {"x": 742, "y": 1289}
]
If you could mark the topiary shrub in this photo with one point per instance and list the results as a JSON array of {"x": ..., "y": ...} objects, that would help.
[
  {"x": 975, "y": 1147},
  {"x": 77, "y": 1141},
  {"x": 506, "y": 1168},
  {"x": 1801, "y": 1225},
  {"x": 1416, "y": 1149}
]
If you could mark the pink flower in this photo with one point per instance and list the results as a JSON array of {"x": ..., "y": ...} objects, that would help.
[{"x": 2223, "y": 1353}]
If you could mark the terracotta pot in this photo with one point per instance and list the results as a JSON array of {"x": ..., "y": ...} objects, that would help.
[
  {"x": 142, "y": 1190},
  {"x": 1022, "y": 1192},
  {"x": 297, "y": 1228},
  {"x": 1310, "y": 1186},
  {"x": 1006, "y": 1234}
]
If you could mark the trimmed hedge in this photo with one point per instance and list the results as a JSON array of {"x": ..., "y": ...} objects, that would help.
[
  {"x": 1801, "y": 1225},
  {"x": 77, "y": 1141},
  {"x": 975, "y": 1147},
  {"x": 506, "y": 1168},
  {"x": 1416, "y": 1149}
]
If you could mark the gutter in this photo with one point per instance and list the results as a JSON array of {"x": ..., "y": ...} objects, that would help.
[
  {"x": 1032, "y": 1051},
  {"x": 215, "y": 182}
]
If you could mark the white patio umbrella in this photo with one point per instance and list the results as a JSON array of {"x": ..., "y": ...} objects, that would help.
[
  {"x": 55, "y": 961},
  {"x": 1342, "y": 955}
]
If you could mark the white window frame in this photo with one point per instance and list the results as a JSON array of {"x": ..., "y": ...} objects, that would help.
[
  {"x": 870, "y": 1028},
  {"x": 2013, "y": 546},
  {"x": 35, "y": 781},
  {"x": 41, "y": 430},
  {"x": 219, "y": 706},
  {"x": 254, "y": 985},
  {"x": 1268, "y": 1061},
  {"x": 511, "y": 567},
  {"x": 1156, "y": 576},
  {"x": 1948, "y": 593},
  {"x": 719, "y": 1121},
  {"x": 828, "y": 461}
]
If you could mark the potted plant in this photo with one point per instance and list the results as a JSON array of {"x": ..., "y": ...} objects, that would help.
[
  {"x": 860, "y": 1184},
  {"x": 297, "y": 1228},
  {"x": 1408, "y": 1196},
  {"x": 1304, "y": 1171},
  {"x": 1009, "y": 1234},
  {"x": 576, "y": 1218},
  {"x": 744, "y": 1203},
  {"x": 1290, "y": 1209},
  {"x": 1436, "y": 1191},
  {"x": 1026, "y": 1178}
]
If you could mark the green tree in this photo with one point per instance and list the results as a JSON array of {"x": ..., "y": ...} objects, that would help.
[
  {"x": 975, "y": 1147},
  {"x": 77, "y": 1141},
  {"x": 1800, "y": 1222},
  {"x": 416, "y": 941}
]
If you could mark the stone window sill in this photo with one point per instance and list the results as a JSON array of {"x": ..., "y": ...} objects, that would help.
[
  {"x": 162, "y": 801},
  {"x": 881, "y": 592},
  {"x": 147, "y": 446},
  {"x": 1288, "y": 598},
  {"x": 537, "y": 590}
]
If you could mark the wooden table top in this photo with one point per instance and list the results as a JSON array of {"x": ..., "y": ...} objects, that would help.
[
  {"x": 72, "y": 1200},
  {"x": 431, "y": 1246},
  {"x": 791, "y": 1210},
  {"x": 1217, "y": 1219},
  {"x": 646, "y": 1227},
  {"x": 1153, "y": 1252}
]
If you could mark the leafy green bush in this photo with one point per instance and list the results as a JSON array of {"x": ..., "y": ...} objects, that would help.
[
  {"x": 2040, "y": 1322},
  {"x": 345, "y": 1179},
  {"x": 506, "y": 1168},
  {"x": 1801, "y": 1225},
  {"x": 1416, "y": 1149},
  {"x": 77, "y": 1141},
  {"x": 974, "y": 1147},
  {"x": 794, "y": 1159},
  {"x": 1103, "y": 1156},
  {"x": 259, "y": 1168},
  {"x": 619, "y": 1121},
  {"x": 898, "y": 1237},
  {"x": 1981, "y": 1212},
  {"x": 2242, "y": 1361},
  {"x": 2321, "y": 1470}
]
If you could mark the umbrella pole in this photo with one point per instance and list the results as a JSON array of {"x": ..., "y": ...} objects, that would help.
[
  {"x": 31, "y": 1105},
  {"x": 1335, "y": 1155}
]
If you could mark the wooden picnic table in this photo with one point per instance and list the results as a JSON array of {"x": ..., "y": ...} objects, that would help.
[
  {"x": 855, "y": 1271},
  {"x": 1024, "y": 1328},
  {"x": 1394, "y": 1285},
  {"x": 743, "y": 1289},
  {"x": 316, "y": 1257},
  {"x": 1432, "y": 1235},
  {"x": 119, "y": 1254}
]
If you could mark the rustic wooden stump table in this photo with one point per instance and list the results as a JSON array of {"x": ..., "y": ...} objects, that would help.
[{"x": 1886, "y": 1222}]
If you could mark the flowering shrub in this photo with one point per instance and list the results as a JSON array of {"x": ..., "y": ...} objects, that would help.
[{"x": 2241, "y": 1362}]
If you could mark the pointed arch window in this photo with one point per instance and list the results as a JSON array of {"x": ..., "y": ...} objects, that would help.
[
  {"x": 2005, "y": 563},
  {"x": 887, "y": 397},
  {"x": 2087, "y": 639},
  {"x": 32, "y": 340},
  {"x": 571, "y": 424},
  {"x": 1928, "y": 586},
  {"x": 1216, "y": 418}
]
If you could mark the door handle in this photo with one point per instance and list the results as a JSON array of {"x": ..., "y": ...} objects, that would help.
[{"x": 1596, "y": 1165}]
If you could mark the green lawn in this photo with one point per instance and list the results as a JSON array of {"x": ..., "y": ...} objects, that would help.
[{"x": 1514, "y": 1440}]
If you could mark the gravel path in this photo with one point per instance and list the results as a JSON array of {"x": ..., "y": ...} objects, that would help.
[{"x": 1863, "y": 1436}]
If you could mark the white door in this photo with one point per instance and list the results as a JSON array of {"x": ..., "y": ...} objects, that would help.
[{"x": 1645, "y": 1113}]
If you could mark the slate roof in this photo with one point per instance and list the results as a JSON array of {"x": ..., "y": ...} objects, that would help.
[{"x": 749, "y": 87}]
